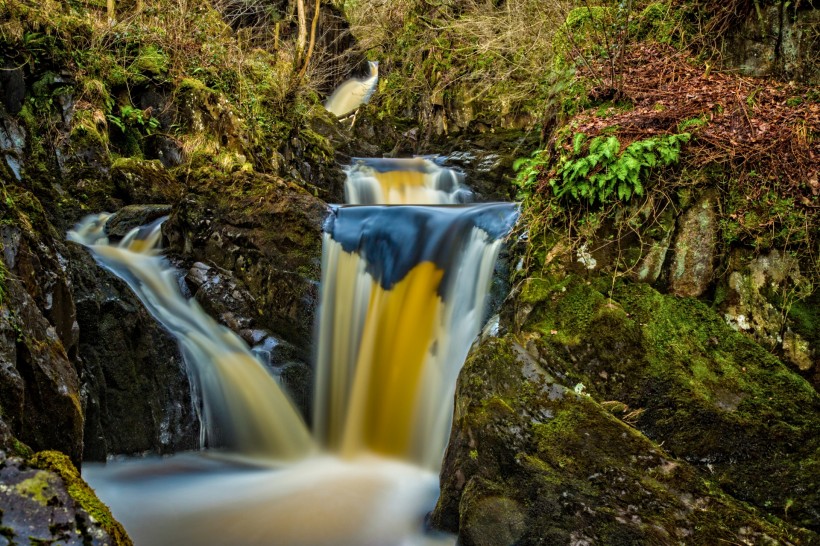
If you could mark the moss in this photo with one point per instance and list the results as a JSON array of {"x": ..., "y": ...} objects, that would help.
[
  {"x": 150, "y": 61},
  {"x": 21, "y": 449},
  {"x": 712, "y": 395},
  {"x": 805, "y": 319},
  {"x": 88, "y": 129},
  {"x": 81, "y": 493},
  {"x": 569, "y": 466},
  {"x": 39, "y": 487}
]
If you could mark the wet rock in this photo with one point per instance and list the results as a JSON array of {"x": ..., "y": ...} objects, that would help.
[
  {"x": 268, "y": 233},
  {"x": 712, "y": 396},
  {"x": 227, "y": 300},
  {"x": 486, "y": 160},
  {"x": 134, "y": 216},
  {"x": 692, "y": 267},
  {"x": 37, "y": 507},
  {"x": 136, "y": 391},
  {"x": 532, "y": 461},
  {"x": 40, "y": 393}
]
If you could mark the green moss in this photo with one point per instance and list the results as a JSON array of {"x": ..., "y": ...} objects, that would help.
[
  {"x": 39, "y": 487},
  {"x": 86, "y": 130},
  {"x": 709, "y": 393},
  {"x": 21, "y": 449},
  {"x": 805, "y": 318},
  {"x": 81, "y": 493},
  {"x": 151, "y": 61}
]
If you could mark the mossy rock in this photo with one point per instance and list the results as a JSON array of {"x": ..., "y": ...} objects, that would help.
[
  {"x": 709, "y": 394},
  {"x": 144, "y": 181},
  {"x": 83, "y": 495},
  {"x": 546, "y": 463},
  {"x": 267, "y": 231}
]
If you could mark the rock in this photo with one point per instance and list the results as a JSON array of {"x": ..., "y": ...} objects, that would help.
[
  {"x": 36, "y": 507},
  {"x": 39, "y": 387},
  {"x": 486, "y": 159},
  {"x": 135, "y": 388},
  {"x": 143, "y": 181},
  {"x": 532, "y": 461},
  {"x": 777, "y": 40},
  {"x": 12, "y": 87},
  {"x": 692, "y": 267},
  {"x": 134, "y": 216},
  {"x": 44, "y": 500},
  {"x": 227, "y": 300},
  {"x": 710, "y": 395},
  {"x": 797, "y": 351},
  {"x": 268, "y": 233},
  {"x": 754, "y": 294}
]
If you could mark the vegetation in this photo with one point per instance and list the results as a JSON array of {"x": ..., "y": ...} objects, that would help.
[{"x": 82, "y": 494}]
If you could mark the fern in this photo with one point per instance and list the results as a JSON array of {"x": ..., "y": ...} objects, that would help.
[{"x": 606, "y": 170}]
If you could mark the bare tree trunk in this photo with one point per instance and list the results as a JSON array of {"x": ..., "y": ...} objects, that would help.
[
  {"x": 312, "y": 43},
  {"x": 301, "y": 38},
  {"x": 112, "y": 16}
]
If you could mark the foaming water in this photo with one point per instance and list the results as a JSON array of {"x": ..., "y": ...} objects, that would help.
[{"x": 414, "y": 181}]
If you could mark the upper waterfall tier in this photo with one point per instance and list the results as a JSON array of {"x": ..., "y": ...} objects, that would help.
[{"x": 415, "y": 181}]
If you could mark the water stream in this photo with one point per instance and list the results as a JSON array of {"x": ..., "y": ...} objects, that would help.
[{"x": 403, "y": 294}]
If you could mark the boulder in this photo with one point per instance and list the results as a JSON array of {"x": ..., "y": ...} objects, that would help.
[
  {"x": 692, "y": 267},
  {"x": 266, "y": 231},
  {"x": 710, "y": 395},
  {"x": 534, "y": 459},
  {"x": 136, "y": 391},
  {"x": 45, "y": 501}
]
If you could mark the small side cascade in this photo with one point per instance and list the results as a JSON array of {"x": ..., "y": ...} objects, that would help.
[
  {"x": 243, "y": 407},
  {"x": 413, "y": 181}
]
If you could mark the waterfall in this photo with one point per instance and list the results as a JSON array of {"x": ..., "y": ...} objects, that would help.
[
  {"x": 416, "y": 181},
  {"x": 403, "y": 293},
  {"x": 403, "y": 297},
  {"x": 242, "y": 405}
]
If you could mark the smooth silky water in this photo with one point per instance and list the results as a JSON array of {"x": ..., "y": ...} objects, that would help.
[{"x": 403, "y": 294}]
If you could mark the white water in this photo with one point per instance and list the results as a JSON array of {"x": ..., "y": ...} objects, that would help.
[
  {"x": 272, "y": 487},
  {"x": 243, "y": 406},
  {"x": 412, "y": 181}
]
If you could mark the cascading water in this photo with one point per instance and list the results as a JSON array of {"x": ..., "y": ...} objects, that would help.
[
  {"x": 242, "y": 405},
  {"x": 402, "y": 298},
  {"x": 416, "y": 181}
]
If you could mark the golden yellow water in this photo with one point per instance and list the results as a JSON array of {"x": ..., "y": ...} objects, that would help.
[
  {"x": 417, "y": 181},
  {"x": 397, "y": 334}
]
